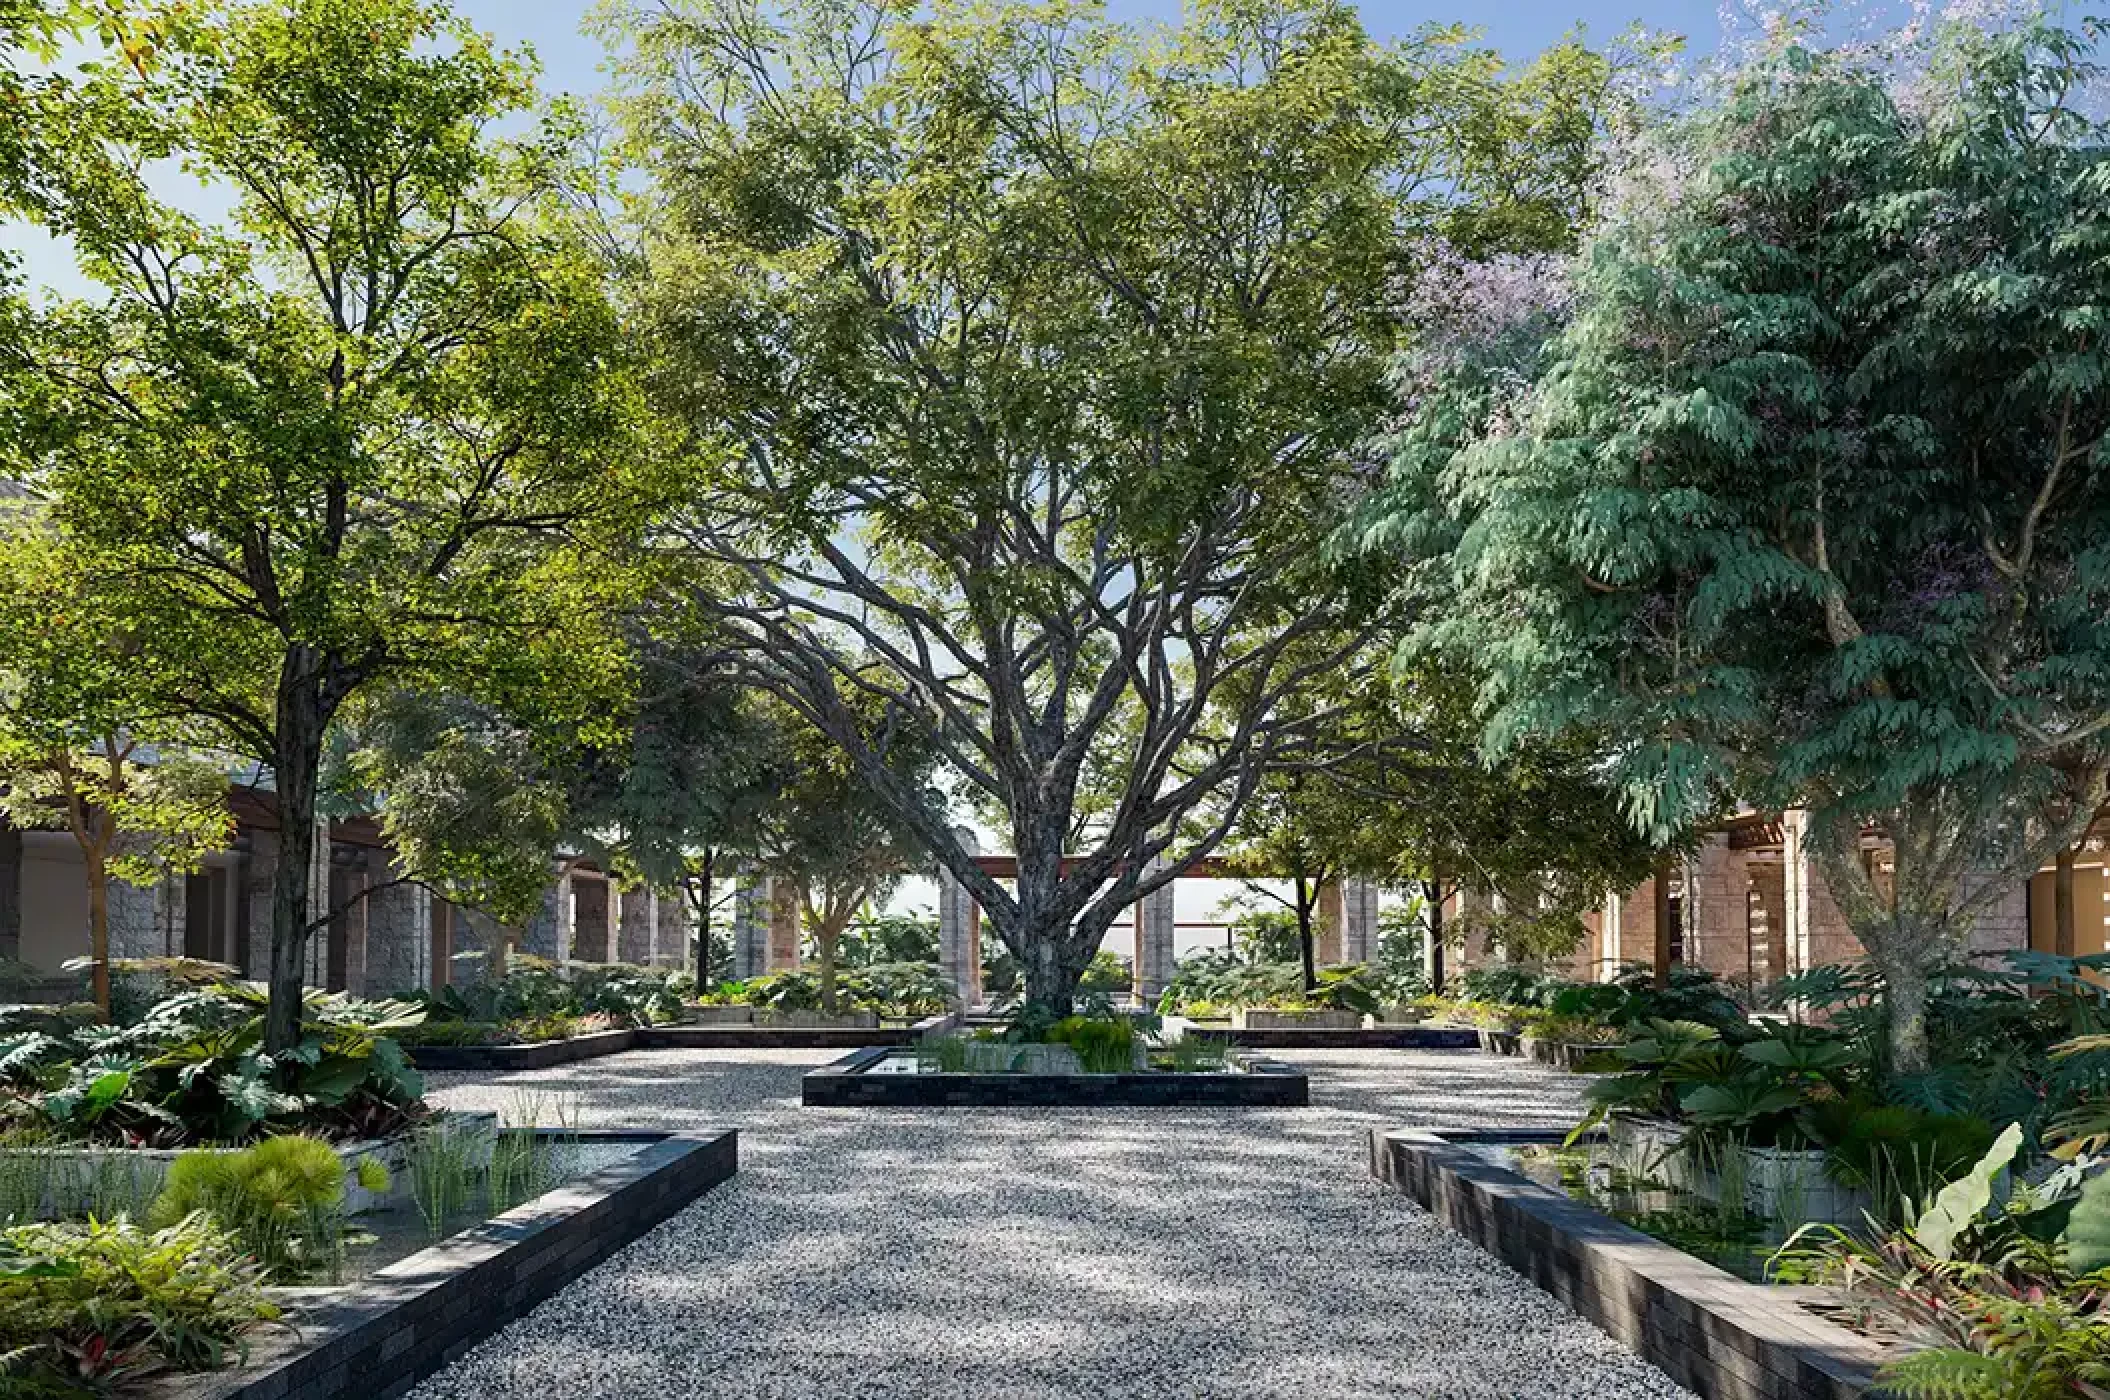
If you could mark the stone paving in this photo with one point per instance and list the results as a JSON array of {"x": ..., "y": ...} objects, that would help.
[{"x": 1141, "y": 1254}]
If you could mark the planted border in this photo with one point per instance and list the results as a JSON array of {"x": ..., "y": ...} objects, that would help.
[
  {"x": 1708, "y": 1330},
  {"x": 418, "y": 1315},
  {"x": 1359, "y": 1038},
  {"x": 845, "y": 1084},
  {"x": 504, "y": 1059}
]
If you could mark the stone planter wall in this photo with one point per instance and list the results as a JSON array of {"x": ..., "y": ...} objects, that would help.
[
  {"x": 81, "y": 1176},
  {"x": 1498, "y": 1042},
  {"x": 844, "y": 1084},
  {"x": 418, "y": 1315},
  {"x": 1561, "y": 1054},
  {"x": 1422, "y": 1037},
  {"x": 1260, "y": 1018},
  {"x": 819, "y": 1020},
  {"x": 1713, "y": 1333},
  {"x": 721, "y": 1015}
]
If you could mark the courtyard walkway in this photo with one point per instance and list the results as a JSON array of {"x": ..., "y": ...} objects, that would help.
[{"x": 1017, "y": 1255}]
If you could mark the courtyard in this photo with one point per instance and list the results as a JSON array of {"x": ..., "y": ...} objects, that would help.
[{"x": 885, "y": 1253}]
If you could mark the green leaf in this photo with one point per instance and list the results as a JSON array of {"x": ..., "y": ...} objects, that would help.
[
  {"x": 2087, "y": 1236},
  {"x": 1960, "y": 1203}
]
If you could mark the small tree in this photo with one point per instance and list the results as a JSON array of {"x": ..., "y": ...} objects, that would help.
[
  {"x": 371, "y": 429},
  {"x": 834, "y": 838},
  {"x": 82, "y": 748},
  {"x": 1807, "y": 504}
]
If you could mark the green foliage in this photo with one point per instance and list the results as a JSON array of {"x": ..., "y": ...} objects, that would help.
[
  {"x": 445, "y": 1166},
  {"x": 1959, "y": 1204},
  {"x": 97, "y": 1302},
  {"x": 2087, "y": 1237},
  {"x": 293, "y": 490},
  {"x": 1156, "y": 268},
  {"x": 282, "y": 1198},
  {"x": 1212, "y": 980},
  {"x": 541, "y": 1000},
  {"x": 890, "y": 938},
  {"x": 1104, "y": 1045},
  {"x": 1795, "y": 504},
  {"x": 193, "y": 1069},
  {"x": 904, "y": 990}
]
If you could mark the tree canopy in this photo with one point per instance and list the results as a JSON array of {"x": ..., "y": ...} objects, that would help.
[
  {"x": 1027, "y": 354},
  {"x": 1805, "y": 505},
  {"x": 370, "y": 427}
]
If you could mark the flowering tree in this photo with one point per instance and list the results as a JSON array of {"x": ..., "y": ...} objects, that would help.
[{"x": 1807, "y": 505}]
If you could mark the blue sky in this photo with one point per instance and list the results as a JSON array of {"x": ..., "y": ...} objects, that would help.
[
  {"x": 572, "y": 63},
  {"x": 1518, "y": 28}
]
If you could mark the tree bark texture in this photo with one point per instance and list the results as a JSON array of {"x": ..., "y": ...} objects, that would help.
[{"x": 295, "y": 770}]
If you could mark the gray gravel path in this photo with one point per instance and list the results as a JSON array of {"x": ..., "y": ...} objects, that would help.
[{"x": 903, "y": 1254}]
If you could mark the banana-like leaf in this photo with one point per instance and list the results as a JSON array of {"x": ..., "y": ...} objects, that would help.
[{"x": 1962, "y": 1201}]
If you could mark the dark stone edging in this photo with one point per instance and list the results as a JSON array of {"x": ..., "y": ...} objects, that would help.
[
  {"x": 543, "y": 1054},
  {"x": 843, "y": 1084},
  {"x": 422, "y": 1313},
  {"x": 503, "y": 1059},
  {"x": 1361, "y": 1038},
  {"x": 1708, "y": 1330}
]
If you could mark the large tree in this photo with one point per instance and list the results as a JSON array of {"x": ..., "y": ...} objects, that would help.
[
  {"x": 368, "y": 428},
  {"x": 1026, "y": 354},
  {"x": 1808, "y": 504}
]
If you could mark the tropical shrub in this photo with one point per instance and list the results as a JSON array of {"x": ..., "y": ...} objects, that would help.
[
  {"x": 282, "y": 1198},
  {"x": 1104, "y": 1045},
  {"x": 92, "y": 1303},
  {"x": 1213, "y": 979},
  {"x": 905, "y": 990},
  {"x": 882, "y": 939},
  {"x": 537, "y": 999},
  {"x": 1999, "y": 1300},
  {"x": 192, "y": 1069}
]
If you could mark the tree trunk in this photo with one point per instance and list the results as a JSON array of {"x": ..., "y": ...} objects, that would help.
[
  {"x": 2064, "y": 942},
  {"x": 703, "y": 924},
  {"x": 10, "y": 891},
  {"x": 1432, "y": 946},
  {"x": 1905, "y": 1006},
  {"x": 297, "y": 763},
  {"x": 97, "y": 866},
  {"x": 1663, "y": 920},
  {"x": 1306, "y": 953}
]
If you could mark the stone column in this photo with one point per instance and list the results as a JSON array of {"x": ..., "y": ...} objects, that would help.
[
  {"x": 1154, "y": 965},
  {"x": 319, "y": 905},
  {"x": 784, "y": 911},
  {"x": 674, "y": 933},
  {"x": 636, "y": 923},
  {"x": 1358, "y": 921},
  {"x": 1327, "y": 930},
  {"x": 956, "y": 915},
  {"x": 651, "y": 927},
  {"x": 750, "y": 925},
  {"x": 567, "y": 915},
  {"x": 358, "y": 926}
]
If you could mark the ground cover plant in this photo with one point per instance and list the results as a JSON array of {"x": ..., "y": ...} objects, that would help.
[
  {"x": 191, "y": 1067},
  {"x": 538, "y": 1000},
  {"x": 1091, "y": 1043},
  {"x": 85, "y": 1305},
  {"x": 895, "y": 991}
]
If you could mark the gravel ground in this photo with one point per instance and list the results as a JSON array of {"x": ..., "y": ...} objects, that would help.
[{"x": 881, "y": 1253}]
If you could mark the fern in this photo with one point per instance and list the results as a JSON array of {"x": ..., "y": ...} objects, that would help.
[{"x": 1948, "y": 1374}]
